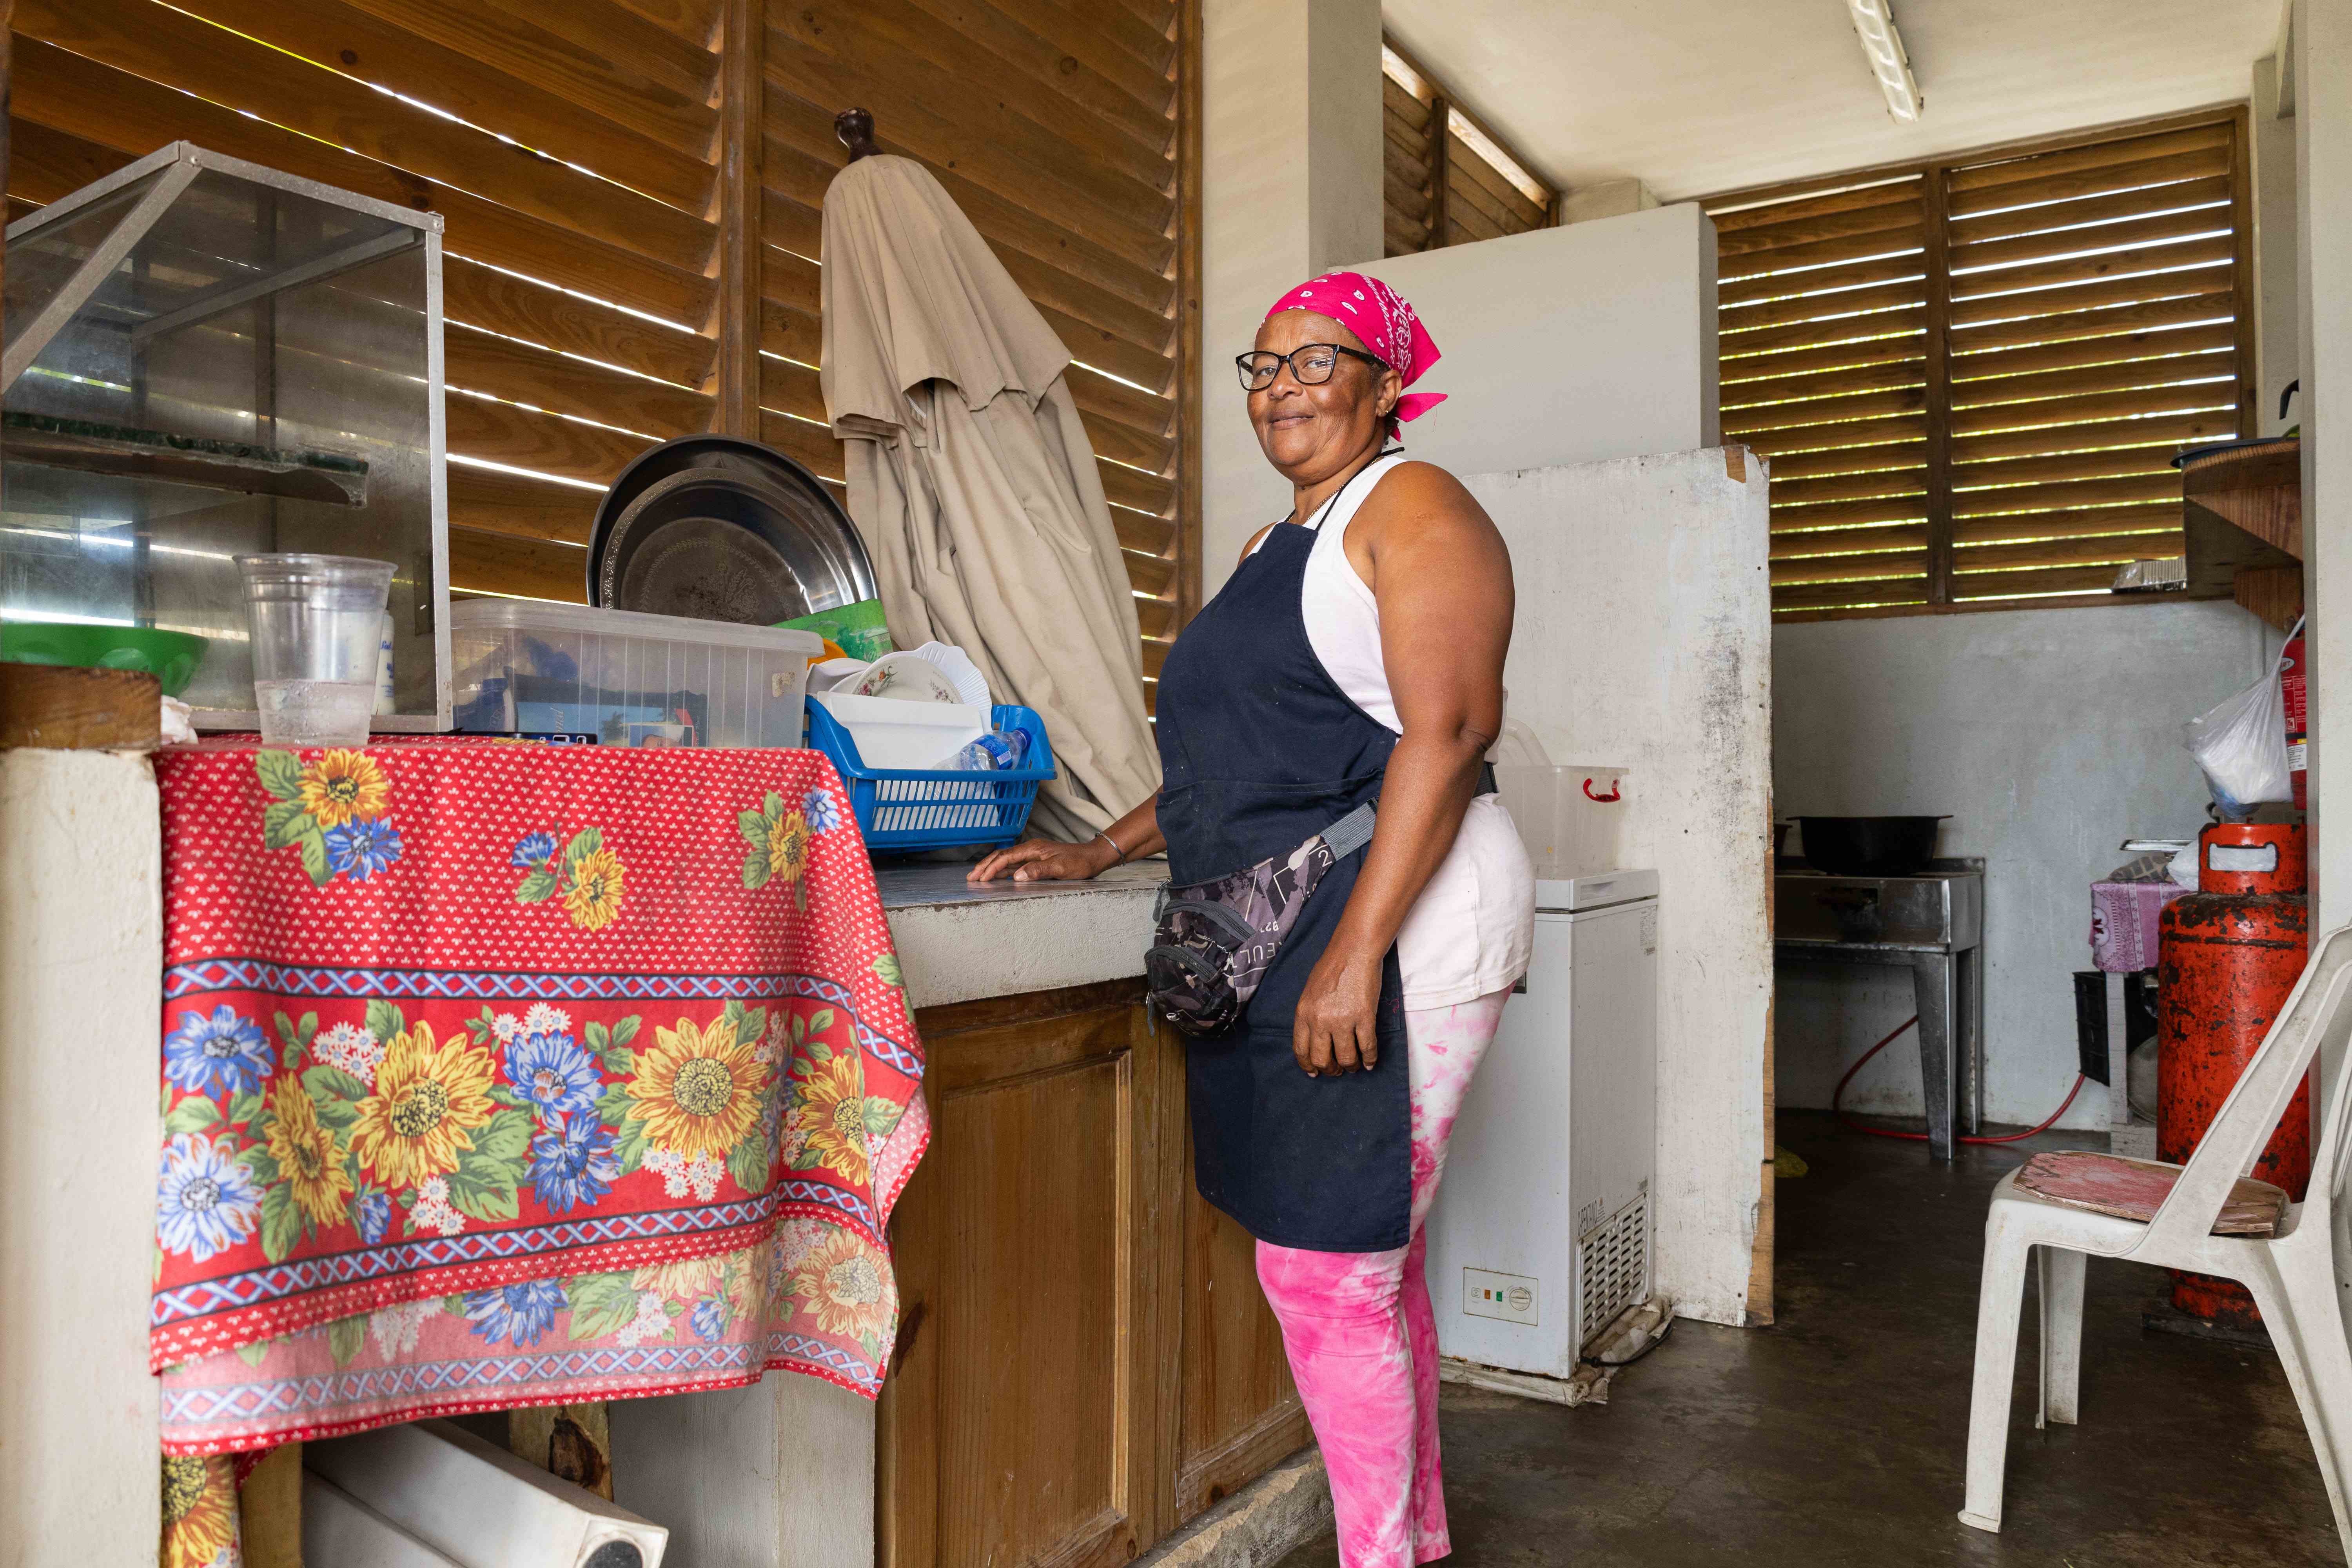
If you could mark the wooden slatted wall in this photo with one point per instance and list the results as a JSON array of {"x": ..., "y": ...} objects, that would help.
[
  {"x": 632, "y": 187},
  {"x": 1970, "y": 375},
  {"x": 1439, "y": 191}
]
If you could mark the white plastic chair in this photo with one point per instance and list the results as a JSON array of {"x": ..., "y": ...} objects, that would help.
[{"x": 2292, "y": 1273}]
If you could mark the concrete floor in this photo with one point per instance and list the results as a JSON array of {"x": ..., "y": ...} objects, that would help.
[{"x": 1837, "y": 1436}]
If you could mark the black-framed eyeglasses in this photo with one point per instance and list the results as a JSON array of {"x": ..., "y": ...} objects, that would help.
[{"x": 1311, "y": 364}]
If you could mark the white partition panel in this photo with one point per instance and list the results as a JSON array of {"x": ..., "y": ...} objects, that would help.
[{"x": 1644, "y": 639}]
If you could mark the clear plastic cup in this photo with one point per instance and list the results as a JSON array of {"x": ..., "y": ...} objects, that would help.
[{"x": 318, "y": 633}]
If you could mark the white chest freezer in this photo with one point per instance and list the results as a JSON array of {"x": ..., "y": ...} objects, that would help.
[{"x": 1541, "y": 1233}]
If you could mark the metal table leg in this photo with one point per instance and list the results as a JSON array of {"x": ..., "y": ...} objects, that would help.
[
  {"x": 2118, "y": 1057},
  {"x": 1932, "y": 988},
  {"x": 1972, "y": 1055}
]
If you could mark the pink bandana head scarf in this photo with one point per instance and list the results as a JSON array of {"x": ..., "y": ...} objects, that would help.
[{"x": 1379, "y": 315}]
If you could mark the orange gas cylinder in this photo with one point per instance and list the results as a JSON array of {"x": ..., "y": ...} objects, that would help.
[{"x": 2227, "y": 956}]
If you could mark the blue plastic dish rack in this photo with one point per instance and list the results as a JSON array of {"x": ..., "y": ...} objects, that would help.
[{"x": 905, "y": 809}]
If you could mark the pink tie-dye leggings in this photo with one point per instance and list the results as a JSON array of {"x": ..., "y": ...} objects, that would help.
[{"x": 1360, "y": 1334}]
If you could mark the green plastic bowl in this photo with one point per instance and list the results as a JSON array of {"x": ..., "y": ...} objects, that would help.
[{"x": 172, "y": 657}]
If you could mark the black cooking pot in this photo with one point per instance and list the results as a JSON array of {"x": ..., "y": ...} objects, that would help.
[{"x": 1869, "y": 846}]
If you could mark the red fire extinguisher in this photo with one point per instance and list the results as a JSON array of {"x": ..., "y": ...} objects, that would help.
[
  {"x": 2298, "y": 727},
  {"x": 2227, "y": 956}
]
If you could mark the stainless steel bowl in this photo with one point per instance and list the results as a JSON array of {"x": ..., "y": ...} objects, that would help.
[{"x": 719, "y": 528}]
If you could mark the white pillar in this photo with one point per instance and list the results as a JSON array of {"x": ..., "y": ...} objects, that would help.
[
  {"x": 1291, "y": 144},
  {"x": 2278, "y": 346},
  {"x": 82, "y": 960},
  {"x": 2323, "y": 120}
]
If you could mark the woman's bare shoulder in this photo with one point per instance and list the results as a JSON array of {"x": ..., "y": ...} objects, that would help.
[
  {"x": 1250, "y": 548},
  {"x": 1419, "y": 495},
  {"x": 1415, "y": 478}
]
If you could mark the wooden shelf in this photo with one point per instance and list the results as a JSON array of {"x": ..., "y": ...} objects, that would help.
[{"x": 2242, "y": 510}]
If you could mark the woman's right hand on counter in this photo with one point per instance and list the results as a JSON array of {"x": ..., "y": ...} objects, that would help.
[
  {"x": 1049, "y": 860},
  {"x": 1046, "y": 860}
]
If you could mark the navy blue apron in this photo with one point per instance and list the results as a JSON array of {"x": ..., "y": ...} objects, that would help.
[{"x": 1259, "y": 750}]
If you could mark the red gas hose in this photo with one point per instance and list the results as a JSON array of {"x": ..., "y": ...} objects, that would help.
[{"x": 1839, "y": 1093}]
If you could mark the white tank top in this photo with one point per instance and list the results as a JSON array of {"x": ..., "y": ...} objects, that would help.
[{"x": 1469, "y": 933}]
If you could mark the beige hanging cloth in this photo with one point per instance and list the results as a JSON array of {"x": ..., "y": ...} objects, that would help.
[{"x": 973, "y": 483}]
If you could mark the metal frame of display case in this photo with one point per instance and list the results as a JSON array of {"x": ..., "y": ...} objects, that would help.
[{"x": 178, "y": 166}]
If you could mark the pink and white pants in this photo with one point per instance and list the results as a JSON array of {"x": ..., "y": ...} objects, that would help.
[{"x": 1360, "y": 1334}]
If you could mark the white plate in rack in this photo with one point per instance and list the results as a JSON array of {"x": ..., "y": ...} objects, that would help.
[
  {"x": 971, "y": 687},
  {"x": 903, "y": 678}
]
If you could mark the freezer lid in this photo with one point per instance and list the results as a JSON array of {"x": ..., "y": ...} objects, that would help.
[{"x": 1595, "y": 889}]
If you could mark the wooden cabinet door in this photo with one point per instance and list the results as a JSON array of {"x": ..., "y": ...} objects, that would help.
[
  {"x": 1241, "y": 1411},
  {"x": 1025, "y": 1422}
]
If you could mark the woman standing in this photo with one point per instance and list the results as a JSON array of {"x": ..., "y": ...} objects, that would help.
[{"x": 1354, "y": 656}]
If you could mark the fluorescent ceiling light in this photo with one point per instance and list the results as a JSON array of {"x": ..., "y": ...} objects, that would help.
[{"x": 1883, "y": 45}]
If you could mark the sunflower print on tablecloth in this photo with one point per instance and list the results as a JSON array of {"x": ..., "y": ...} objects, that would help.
[
  {"x": 697, "y": 1104},
  {"x": 830, "y": 1120},
  {"x": 344, "y": 786},
  {"x": 199, "y": 1511},
  {"x": 331, "y": 810},
  {"x": 344, "y": 1137},
  {"x": 843, "y": 1287},
  {"x": 308, "y": 1156},
  {"x": 778, "y": 837},
  {"x": 590, "y": 878},
  {"x": 829, "y": 1115},
  {"x": 697, "y": 1091},
  {"x": 428, "y": 1097}
]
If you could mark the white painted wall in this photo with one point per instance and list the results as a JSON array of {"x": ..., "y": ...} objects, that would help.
[
  {"x": 2052, "y": 736},
  {"x": 1567, "y": 345},
  {"x": 81, "y": 966},
  {"x": 1644, "y": 639},
  {"x": 1291, "y": 150},
  {"x": 1561, "y": 345}
]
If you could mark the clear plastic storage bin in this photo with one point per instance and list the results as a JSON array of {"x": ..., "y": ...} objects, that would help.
[
  {"x": 1571, "y": 818},
  {"x": 625, "y": 678}
]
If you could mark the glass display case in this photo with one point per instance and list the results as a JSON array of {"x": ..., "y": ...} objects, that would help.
[{"x": 205, "y": 358}]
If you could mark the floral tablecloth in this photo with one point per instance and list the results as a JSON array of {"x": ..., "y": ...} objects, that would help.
[{"x": 500, "y": 1075}]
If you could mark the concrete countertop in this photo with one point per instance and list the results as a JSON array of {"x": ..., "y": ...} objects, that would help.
[{"x": 959, "y": 941}]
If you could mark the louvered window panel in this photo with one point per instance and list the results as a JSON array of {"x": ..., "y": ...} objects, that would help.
[
  {"x": 1822, "y": 328},
  {"x": 1970, "y": 376},
  {"x": 1446, "y": 180}
]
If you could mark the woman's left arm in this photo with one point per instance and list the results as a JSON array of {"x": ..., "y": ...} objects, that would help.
[{"x": 1442, "y": 579}]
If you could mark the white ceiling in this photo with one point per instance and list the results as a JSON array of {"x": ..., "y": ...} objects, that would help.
[{"x": 1701, "y": 96}]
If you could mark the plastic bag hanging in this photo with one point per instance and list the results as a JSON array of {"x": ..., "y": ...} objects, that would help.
[{"x": 2240, "y": 746}]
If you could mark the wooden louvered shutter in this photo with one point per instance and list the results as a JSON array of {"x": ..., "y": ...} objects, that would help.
[
  {"x": 1823, "y": 319},
  {"x": 1970, "y": 376},
  {"x": 1439, "y": 189},
  {"x": 596, "y": 176},
  {"x": 2097, "y": 328},
  {"x": 1411, "y": 174}
]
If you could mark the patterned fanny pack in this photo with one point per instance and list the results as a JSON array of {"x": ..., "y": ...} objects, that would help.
[{"x": 1216, "y": 939}]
